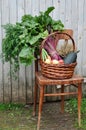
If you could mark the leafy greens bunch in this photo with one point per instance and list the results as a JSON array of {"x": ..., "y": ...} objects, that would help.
[{"x": 22, "y": 40}]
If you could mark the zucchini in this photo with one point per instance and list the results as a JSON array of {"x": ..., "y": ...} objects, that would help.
[{"x": 71, "y": 57}]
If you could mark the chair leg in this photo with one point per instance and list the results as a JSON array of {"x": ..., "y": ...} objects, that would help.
[
  {"x": 62, "y": 99},
  {"x": 40, "y": 105},
  {"x": 79, "y": 103},
  {"x": 35, "y": 99}
]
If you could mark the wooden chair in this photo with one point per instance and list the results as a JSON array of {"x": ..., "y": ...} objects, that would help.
[{"x": 41, "y": 82}]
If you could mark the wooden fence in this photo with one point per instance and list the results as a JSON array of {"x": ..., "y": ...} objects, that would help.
[{"x": 73, "y": 15}]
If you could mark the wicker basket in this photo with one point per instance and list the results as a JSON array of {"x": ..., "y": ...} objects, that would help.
[{"x": 57, "y": 71}]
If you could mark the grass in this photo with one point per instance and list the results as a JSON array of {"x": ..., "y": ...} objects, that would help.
[
  {"x": 10, "y": 106},
  {"x": 16, "y": 117},
  {"x": 71, "y": 107}
]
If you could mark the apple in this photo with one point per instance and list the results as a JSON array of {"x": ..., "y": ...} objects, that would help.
[
  {"x": 55, "y": 61},
  {"x": 61, "y": 61}
]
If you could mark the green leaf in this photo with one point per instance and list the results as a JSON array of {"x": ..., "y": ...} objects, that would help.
[
  {"x": 49, "y": 10},
  {"x": 23, "y": 38},
  {"x": 30, "y": 24},
  {"x": 27, "y": 18},
  {"x": 57, "y": 25},
  {"x": 44, "y": 34},
  {"x": 26, "y": 55},
  {"x": 34, "y": 39}
]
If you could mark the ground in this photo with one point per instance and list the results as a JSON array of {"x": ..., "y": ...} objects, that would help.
[{"x": 51, "y": 119}]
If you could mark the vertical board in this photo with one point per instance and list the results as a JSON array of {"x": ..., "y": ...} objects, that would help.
[
  {"x": 29, "y": 84},
  {"x": 42, "y": 5},
  {"x": 22, "y": 76},
  {"x": 74, "y": 19},
  {"x": 84, "y": 41},
  {"x": 35, "y": 7},
  {"x": 1, "y": 65},
  {"x": 6, "y": 66},
  {"x": 80, "y": 35},
  {"x": 62, "y": 11},
  {"x": 68, "y": 10},
  {"x": 56, "y": 12},
  {"x": 28, "y": 6},
  {"x": 12, "y": 11},
  {"x": 13, "y": 19}
]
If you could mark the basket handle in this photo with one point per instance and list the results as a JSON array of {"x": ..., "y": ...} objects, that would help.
[{"x": 73, "y": 42}]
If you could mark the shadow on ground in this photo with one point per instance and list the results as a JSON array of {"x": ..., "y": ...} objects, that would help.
[{"x": 51, "y": 119}]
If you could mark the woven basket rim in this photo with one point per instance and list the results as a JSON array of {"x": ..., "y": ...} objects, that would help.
[
  {"x": 58, "y": 65},
  {"x": 55, "y": 33},
  {"x": 57, "y": 71}
]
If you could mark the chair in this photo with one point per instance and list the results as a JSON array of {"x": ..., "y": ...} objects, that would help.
[{"x": 41, "y": 82}]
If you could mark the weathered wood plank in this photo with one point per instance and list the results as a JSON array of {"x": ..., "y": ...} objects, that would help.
[
  {"x": 30, "y": 76},
  {"x": 14, "y": 83},
  {"x": 56, "y": 12},
  {"x": 1, "y": 65},
  {"x": 48, "y": 3},
  {"x": 35, "y": 7},
  {"x": 22, "y": 80},
  {"x": 68, "y": 10},
  {"x": 84, "y": 41},
  {"x": 62, "y": 11},
  {"x": 12, "y": 11},
  {"x": 28, "y": 7},
  {"x": 80, "y": 35},
  {"x": 42, "y": 5},
  {"x": 29, "y": 85},
  {"x": 20, "y": 9},
  {"x": 74, "y": 19},
  {"x": 6, "y": 66}
]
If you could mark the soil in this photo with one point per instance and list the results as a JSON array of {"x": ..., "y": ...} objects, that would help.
[{"x": 51, "y": 119}]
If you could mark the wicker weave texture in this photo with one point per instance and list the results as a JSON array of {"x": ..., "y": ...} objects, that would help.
[{"x": 58, "y": 71}]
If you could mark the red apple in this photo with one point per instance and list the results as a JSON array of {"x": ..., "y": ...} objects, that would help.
[{"x": 61, "y": 61}]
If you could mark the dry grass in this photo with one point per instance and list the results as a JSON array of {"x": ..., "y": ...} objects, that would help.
[{"x": 65, "y": 48}]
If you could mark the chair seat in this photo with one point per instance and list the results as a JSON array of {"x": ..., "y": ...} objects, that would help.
[{"x": 44, "y": 80}]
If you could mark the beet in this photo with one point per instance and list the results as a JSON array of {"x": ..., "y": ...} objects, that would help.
[{"x": 50, "y": 47}]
